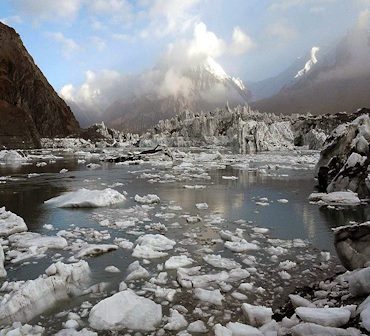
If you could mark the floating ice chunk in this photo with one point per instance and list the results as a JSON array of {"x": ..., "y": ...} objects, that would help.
[
  {"x": 241, "y": 246},
  {"x": 85, "y": 198},
  {"x": 193, "y": 219},
  {"x": 202, "y": 206},
  {"x": 256, "y": 315},
  {"x": 36, "y": 296},
  {"x": 33, "y": 239},
  {"x": 328, "y": 317},
  {"x": 93, "y": 165},
  {"x": 112, "y": 269},
  {"x": 176, "y": 321},
  {"x": 136, "y": 272},
  {"x": 287, "y": 265},
  {"x": 12, "y": 156},
  {"x": 196, "y": 186},
  {"x": 298, "y": 301},
  {"x": 220, "y": 262},
  {"x": 10, "y": 223},
  {"x": 17, "y": 329},
  {"x": 222, "y": 331},
  {"x": 63, "y": 171},
  {"x": 197, "y": 327},
  {"x": 211, "y": 296},
  {"x": 178, "y": 261},
  {"x": 312, "y": 329},
  {"x": 285, "y": 275},
  {"x": 152, "y": 246},
  {"x": 260, "y": 230},
  {"x": 125, "y": 310},
  {"x": 240, "y": 329},
  {"x": 124, "y": 243},
  {"x": 190, "y": 277},
  {"x": 72, "y": 332},
  {"x": 92, "y": 250},
  {"x": 335, "y": 198},
  {"x": 282, "y": 200},
  {"x": 230, "y": 178},
  {"x": 148, "y": 199}
]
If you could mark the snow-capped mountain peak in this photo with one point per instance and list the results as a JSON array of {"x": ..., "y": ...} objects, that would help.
[
  {"x": 309, "y": 63},
  {"x": 215, "y": 69},
  {"x": 218, "y": 72}
]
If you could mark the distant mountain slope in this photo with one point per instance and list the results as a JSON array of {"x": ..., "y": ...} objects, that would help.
[
  {"x": 339, "y": 81},
  {"x": 270, "y": 86},
  {"x": 163, "y": 92},
  {"x": 29, "y": 106}
]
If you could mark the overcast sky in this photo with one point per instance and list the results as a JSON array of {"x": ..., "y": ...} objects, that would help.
[{"x": 251, "y": 39}]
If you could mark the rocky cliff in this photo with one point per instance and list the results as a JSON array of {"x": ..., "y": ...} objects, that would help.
[{"x": 29, "y": 106}]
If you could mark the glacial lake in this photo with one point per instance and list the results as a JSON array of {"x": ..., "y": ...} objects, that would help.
[{"x": 249, "y": 198}]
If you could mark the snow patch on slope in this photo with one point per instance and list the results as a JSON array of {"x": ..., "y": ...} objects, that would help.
[{"x": 309, "y": 63}]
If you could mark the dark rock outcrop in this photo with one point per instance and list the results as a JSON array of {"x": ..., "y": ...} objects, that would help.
[
  {"x": 352, "y": 244},
  {"x": 344, "y": 160},
  {"x": 29, "y": 106}
]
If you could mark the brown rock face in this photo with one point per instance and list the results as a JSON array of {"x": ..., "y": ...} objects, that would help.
[{"x": 29, "y": 106}]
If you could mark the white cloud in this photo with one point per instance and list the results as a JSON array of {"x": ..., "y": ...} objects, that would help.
[
  {"x": 281, "y": 32},
  {"x": 363, "y": 19},
  {"x": 205, "y": 43},
  {"x": 11, "y": 20},
  {"x": 241, "y": 42},
  {"x": 69, "y": 46},
  {"x": 283, "y": 5},
  {"x": 98, "y": 43},
  {"x": 167, "y": 17},
  {"x": 119, "y": 11},
  {"x": 49, "y": 10}
]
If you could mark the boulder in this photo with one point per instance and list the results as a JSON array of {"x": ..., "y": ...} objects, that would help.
[{"x": 352, "y": 244}]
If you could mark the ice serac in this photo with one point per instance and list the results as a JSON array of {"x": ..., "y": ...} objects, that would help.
[
  {"x": 29, "y": 106},
  {"x": 62, "y": 281},
  {"x": 344, "y": 160},
  {"x": 2, "y": 258},
  {"x": 125, "y": 310}
]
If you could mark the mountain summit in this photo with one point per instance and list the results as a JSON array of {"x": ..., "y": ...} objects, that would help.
[
  {"x": 29, "y": 106},
  {"x": 164, "y": 91},
  {"x": 337, "y": 80}
]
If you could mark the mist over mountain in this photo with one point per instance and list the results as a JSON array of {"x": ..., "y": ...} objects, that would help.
[
  {"x": 134, "y": 103},
  {"x": 337, "y": 81}
]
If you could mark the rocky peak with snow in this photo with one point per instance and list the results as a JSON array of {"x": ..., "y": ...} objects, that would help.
[{"x": 309, "y": 64}]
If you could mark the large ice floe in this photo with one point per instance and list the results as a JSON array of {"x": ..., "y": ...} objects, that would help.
[
  {"x": 85, "y": 198},
  {"x": 10, "y": 223},
  {"x": 12, "y": 157},
  {"x": 126, "y": 310},
  {"x": 60, "y": 282}
]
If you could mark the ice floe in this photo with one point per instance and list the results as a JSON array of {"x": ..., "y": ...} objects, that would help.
[{"x": 85, "y": 198}]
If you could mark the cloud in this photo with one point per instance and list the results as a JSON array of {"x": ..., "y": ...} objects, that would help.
[
  {"x": 241, "y": 42},
  {"x": 69, "y": 46},
  {"x": 363, "y": 19},
  {"x": 118, "y": 11},
  {"x": 172, "y": 75},
  {"x": 98, "y": 43},
  {"x": 168, "y": 17},
  {"x": 281, "y": 32},
  {"x": 283, "y": 5},
  {"x": 11, "y": 20},
  {"x": 46, "y": 10}
]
